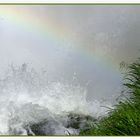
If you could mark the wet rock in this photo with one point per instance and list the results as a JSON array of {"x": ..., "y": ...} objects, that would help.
[{"x": 75, "y": 123}]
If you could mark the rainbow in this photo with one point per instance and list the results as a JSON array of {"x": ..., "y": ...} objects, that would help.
[{"x": 48, "y": 28}]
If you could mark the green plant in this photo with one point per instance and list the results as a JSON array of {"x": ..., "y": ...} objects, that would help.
[{"x": 125, "y": 118}]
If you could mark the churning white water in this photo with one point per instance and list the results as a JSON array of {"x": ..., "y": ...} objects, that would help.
[{"x": 30, "y": 104}]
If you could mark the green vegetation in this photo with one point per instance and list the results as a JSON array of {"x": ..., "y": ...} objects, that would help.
[{"x": 124, "y": 120}]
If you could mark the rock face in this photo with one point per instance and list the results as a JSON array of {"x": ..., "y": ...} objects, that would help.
[
  {"x": 79, "y": 121},
  {"x": 32, "y": 119},
  {"x": 46, "y": 127},
  {"x": 70, "y": 126}
]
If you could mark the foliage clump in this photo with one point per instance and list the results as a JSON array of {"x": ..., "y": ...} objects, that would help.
[{"x": 124, "y": 120}]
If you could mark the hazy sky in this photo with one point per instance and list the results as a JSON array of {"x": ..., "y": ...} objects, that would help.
[{"x": 110, "y": 34}]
